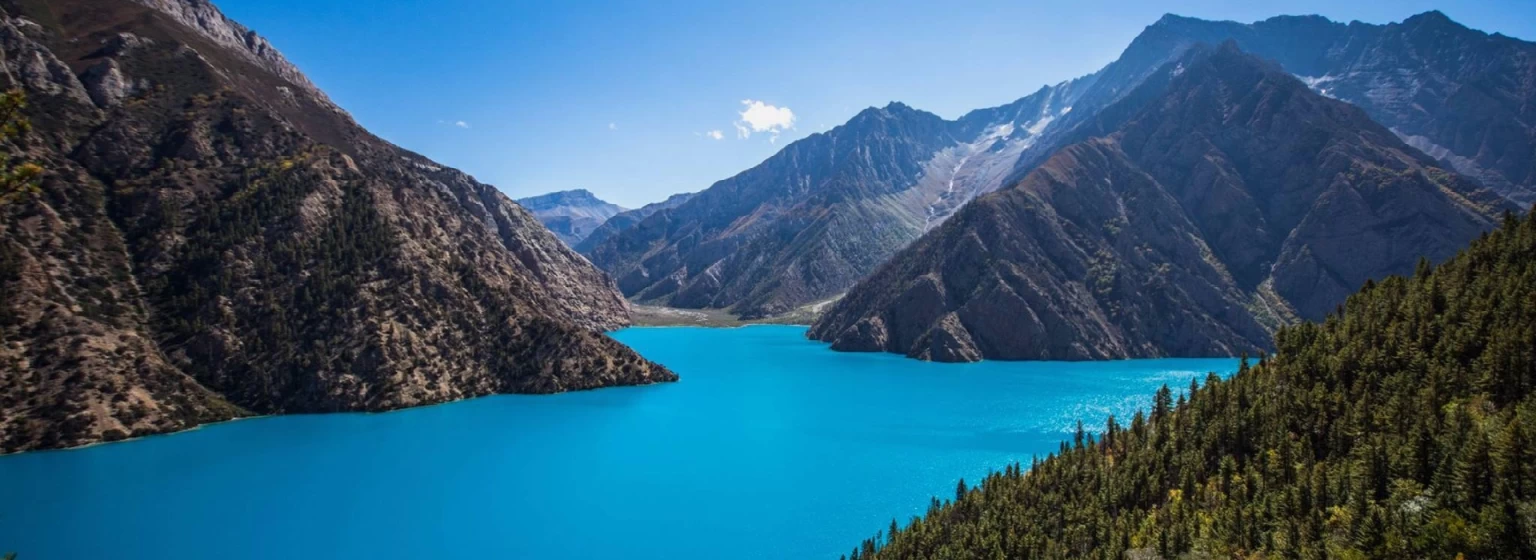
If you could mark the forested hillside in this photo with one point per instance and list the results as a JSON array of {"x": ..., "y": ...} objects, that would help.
[{"x": 1400, "y": 427}]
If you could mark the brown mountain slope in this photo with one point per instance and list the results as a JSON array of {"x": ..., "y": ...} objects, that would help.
[
  {"x": 1231, "y": 200},
  {"x": 215, "y": 238}
]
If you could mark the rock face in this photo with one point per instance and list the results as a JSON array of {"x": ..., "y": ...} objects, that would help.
[
  {"x": 628, "y": 219},
  {"x": 571, "y": 215},
  {"x": 1220, "y": 199},
  {"x": 215, "y": 239}
]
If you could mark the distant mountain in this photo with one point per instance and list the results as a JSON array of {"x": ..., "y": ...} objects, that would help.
[
  {"x": 214, "y": 238},
  {"x": 810, "y": 221},
  {"x": 571, "y": 215},
  {"x": 628, "y": 219},
  {"x": 1230, "y": 200},
  {"x": 1460, "y": 95}
]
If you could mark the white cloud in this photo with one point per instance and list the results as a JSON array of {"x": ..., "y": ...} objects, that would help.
[
  {"x": 762, "y": 117},
  {"x": 613, "y": 126},
  {"x": 715, "y": 134},
  {"x": 461, "y": 124}
]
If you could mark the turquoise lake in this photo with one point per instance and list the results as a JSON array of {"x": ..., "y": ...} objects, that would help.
[{"x": 771, "y": 446}]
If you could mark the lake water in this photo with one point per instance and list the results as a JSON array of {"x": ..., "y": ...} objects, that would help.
[{"x": 771, "y": 446}]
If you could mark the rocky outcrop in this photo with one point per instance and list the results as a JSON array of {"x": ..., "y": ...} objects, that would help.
[
  {"x": 204, "y": 249},
  {"x": 571, "y": 215},
  {"x": 204, "y": 18},
  {"x": 1229, "y": 199}
]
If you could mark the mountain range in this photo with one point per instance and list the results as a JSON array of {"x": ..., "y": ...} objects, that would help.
[
  {"x": 215, "y": 238},
  {"x": 571, "y": 215},
  {"x": 825, "y": 211},
  {"x": 1215, "y": 203},
  {"x": 1460, "y": 95}
]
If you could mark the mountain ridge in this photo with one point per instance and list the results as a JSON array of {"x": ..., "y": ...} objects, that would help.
[{"x": 1451, "y": 91}]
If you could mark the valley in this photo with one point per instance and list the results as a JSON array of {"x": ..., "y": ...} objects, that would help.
[{"x": 1248, "y": 290}]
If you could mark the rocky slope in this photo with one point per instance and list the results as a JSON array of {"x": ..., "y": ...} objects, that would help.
[
  {"x": 571, "y": 215},
  {"x": 214, "y": 238},
  {"x": 628, "y": 219},
  {"x": 1230, "y": 200}
]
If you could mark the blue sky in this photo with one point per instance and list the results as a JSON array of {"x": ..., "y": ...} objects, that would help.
[{"x": 624, "y": 98}]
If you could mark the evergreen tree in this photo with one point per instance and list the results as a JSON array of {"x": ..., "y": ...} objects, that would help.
[{"x": 17, "y": 178}]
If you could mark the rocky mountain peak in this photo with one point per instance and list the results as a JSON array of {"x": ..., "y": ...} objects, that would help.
[
  {"x": 894, "y": 110},
  {"x": 1174, "y": 20},
  {"x": 1431, "y": 17},
  {"x": 572, "y": 215},
  {"x": 574, "y": 197},
  {"x": 205, "y": 18}
]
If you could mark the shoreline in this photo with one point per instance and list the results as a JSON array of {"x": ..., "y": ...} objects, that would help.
[
  {"x": 642, "y": 315},
  {"x": 197, "y": 427}
]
